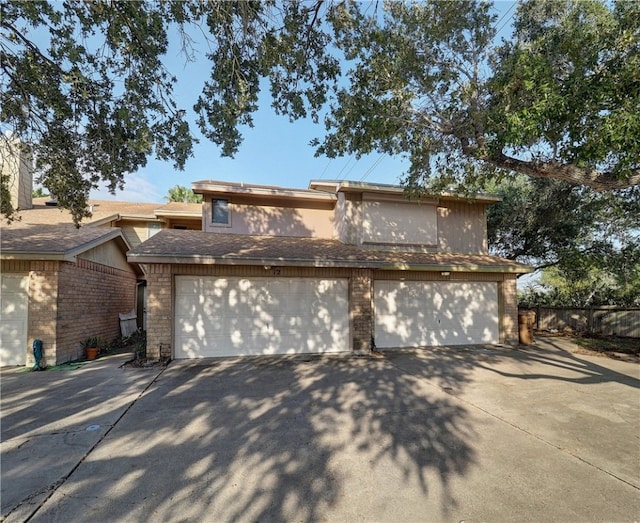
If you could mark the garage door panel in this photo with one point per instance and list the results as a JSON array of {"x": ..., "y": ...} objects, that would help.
[
  {"x": 14, "y": 305},
  {"x": 413, "y": 314},
  {"x": 240, "y": 316}
]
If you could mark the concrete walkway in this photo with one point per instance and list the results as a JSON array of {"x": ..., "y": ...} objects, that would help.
[{"x": 447, "y": 434}]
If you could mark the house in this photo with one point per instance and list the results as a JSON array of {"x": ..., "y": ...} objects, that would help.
[
  {"x": 340, "y": 266},
  {"x": 62, "y": 284}
]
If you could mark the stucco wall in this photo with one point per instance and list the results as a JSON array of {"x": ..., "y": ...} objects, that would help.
[
  {"x": 274, "y": 220},
  {"x": 451, "y": 226},
  {"x": 462, "y": 227},
  {"x": 134, "y": 231}
]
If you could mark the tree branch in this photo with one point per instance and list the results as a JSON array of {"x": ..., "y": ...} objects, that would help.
[{"x": 597, "y": 180}]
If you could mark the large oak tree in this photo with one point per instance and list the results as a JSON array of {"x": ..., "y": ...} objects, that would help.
[
  {"x": 85, "y": 86},
  {"x": 559, "y": 99}
]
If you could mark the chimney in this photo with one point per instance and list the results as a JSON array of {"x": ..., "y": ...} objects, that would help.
[{"x": 17, "y": 165}]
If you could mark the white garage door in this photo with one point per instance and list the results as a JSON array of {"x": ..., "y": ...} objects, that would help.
[
  {"x": 251, "y": 316},
  {"x": 14, "y": 309},
  {"x": 418, "y": 314}
]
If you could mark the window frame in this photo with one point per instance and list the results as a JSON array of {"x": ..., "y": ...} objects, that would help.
[{"x": 227, "y": 203}]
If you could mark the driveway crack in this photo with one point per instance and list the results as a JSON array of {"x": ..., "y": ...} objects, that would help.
[{"x": 53, "y": 488}]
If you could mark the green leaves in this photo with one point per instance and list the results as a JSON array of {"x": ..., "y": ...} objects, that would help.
[
  {"x": 586, "y": 244},
  {"x": 567, "y": 85},
  {"x": 84, "y": 83},
  {"x": 559, "y": 100},
  {"x": 182, "y": 194}
]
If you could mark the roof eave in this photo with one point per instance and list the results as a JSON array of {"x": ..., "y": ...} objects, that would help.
[
  {"x": 261, "y": 191},
  {"x": 69, "y": 255},
  {"x": 301, "y": 262},
  {"x": 39, "y": 256}
]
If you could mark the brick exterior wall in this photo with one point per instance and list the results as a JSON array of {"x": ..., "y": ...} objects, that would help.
[
  {"x": 90, "y": 297},
  {"x": 43, "y": 309},
  {"x": 507, "y": 294},
  {"x": 68, "y": 302},
  {"x": 159, "y": 311},
  {"x": 361, "y": 309}
]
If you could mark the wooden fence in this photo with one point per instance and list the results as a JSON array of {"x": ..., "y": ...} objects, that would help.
[{"x": 595, "y": 320}]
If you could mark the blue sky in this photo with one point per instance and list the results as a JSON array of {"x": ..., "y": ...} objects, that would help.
[{"x": 274, "y": 152}]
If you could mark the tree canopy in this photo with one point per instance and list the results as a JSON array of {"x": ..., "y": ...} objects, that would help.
[
  {"x": 586, "y": 244},
  {"x": 557, "y": 100},
  {"x": 85, "y": 85},
  {"x": 182, "y": 194}
]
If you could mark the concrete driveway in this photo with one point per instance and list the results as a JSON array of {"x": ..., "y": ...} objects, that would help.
[{"x": 463, "y": 434}]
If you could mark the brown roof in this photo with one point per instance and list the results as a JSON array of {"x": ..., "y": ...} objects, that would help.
[
  {"x": 170, "y": 246},
  {"x": 103, "y": 210},
  {"x": 53, "y": 241}
]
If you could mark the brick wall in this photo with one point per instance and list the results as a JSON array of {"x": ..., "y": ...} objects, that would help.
[
  {"x": 361, "y": 309},
  {"x": 90, "y": 297},
  {"x": 508, "y": 298},
  {"x": 159, "y": 311},
  {"x": 43, "y": 309}
]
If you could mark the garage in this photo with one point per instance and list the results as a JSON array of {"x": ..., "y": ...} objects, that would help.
[
  {"x": 418, "y": 314},
  {"x": 14, "y": 306},
  {"x": 235, "y": 316}
]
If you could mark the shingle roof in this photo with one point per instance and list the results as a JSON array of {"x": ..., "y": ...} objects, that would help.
[
  {"x": 53, "y": 241},
  {"x": 169, "y": 246},
  {"x": 102, "y": 210}
]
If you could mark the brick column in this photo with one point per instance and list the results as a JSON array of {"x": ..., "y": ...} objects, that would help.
[
  {"x": 159, "y": 311},
  {"x": 43, "y": 310},
  {"x": 508, "y": 308},
  {"x": 361, "y": 309}
]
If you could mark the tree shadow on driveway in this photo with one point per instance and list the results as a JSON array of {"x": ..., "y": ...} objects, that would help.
[
  {"x": 279, "y": 439},
  {"x": 553, "y": 361}
]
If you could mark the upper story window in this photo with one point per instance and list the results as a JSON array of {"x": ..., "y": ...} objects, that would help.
[
  {"x": 220, "y": 212},
  {"x": 153, "y": 228}
]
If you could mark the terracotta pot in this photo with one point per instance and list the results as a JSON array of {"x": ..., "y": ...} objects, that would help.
[{"x": 92, "y": 353}]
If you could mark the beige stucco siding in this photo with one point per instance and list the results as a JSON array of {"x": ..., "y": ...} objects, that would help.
[
  {"x": 462, "y": 227},
  {"x": 348, "y": 212},
  {"x": 399, "y": 223},
  {"x": 451, "y": 226},
  {"x": 275, "y": 221},
  {"x": 134, "y": 231}
]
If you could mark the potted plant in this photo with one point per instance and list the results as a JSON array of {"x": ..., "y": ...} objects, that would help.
[{"x": 91, "y": 347}]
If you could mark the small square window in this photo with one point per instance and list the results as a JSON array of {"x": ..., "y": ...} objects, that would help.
[
  {"x": 220, "y": 212},
  {"x": 153, "y": 228}
]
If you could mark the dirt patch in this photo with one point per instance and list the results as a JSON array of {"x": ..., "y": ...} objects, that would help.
[
  {"x": 144, "y": 363},
  {"x": 615, "y": 347}
]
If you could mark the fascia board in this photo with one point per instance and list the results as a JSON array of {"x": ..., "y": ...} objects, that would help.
[
  {"x": 266, "y": 192},
  {"x": 293, "y": 262}
]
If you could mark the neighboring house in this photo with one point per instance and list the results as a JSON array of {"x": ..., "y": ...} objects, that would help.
[
  {"x": 138, "y": 221},
  {"x": 341, "y": 266},
  {"x": 61, "y": 285}
]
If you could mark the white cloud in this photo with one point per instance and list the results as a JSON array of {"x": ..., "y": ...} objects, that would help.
[{"x": 138, "y": 187}]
